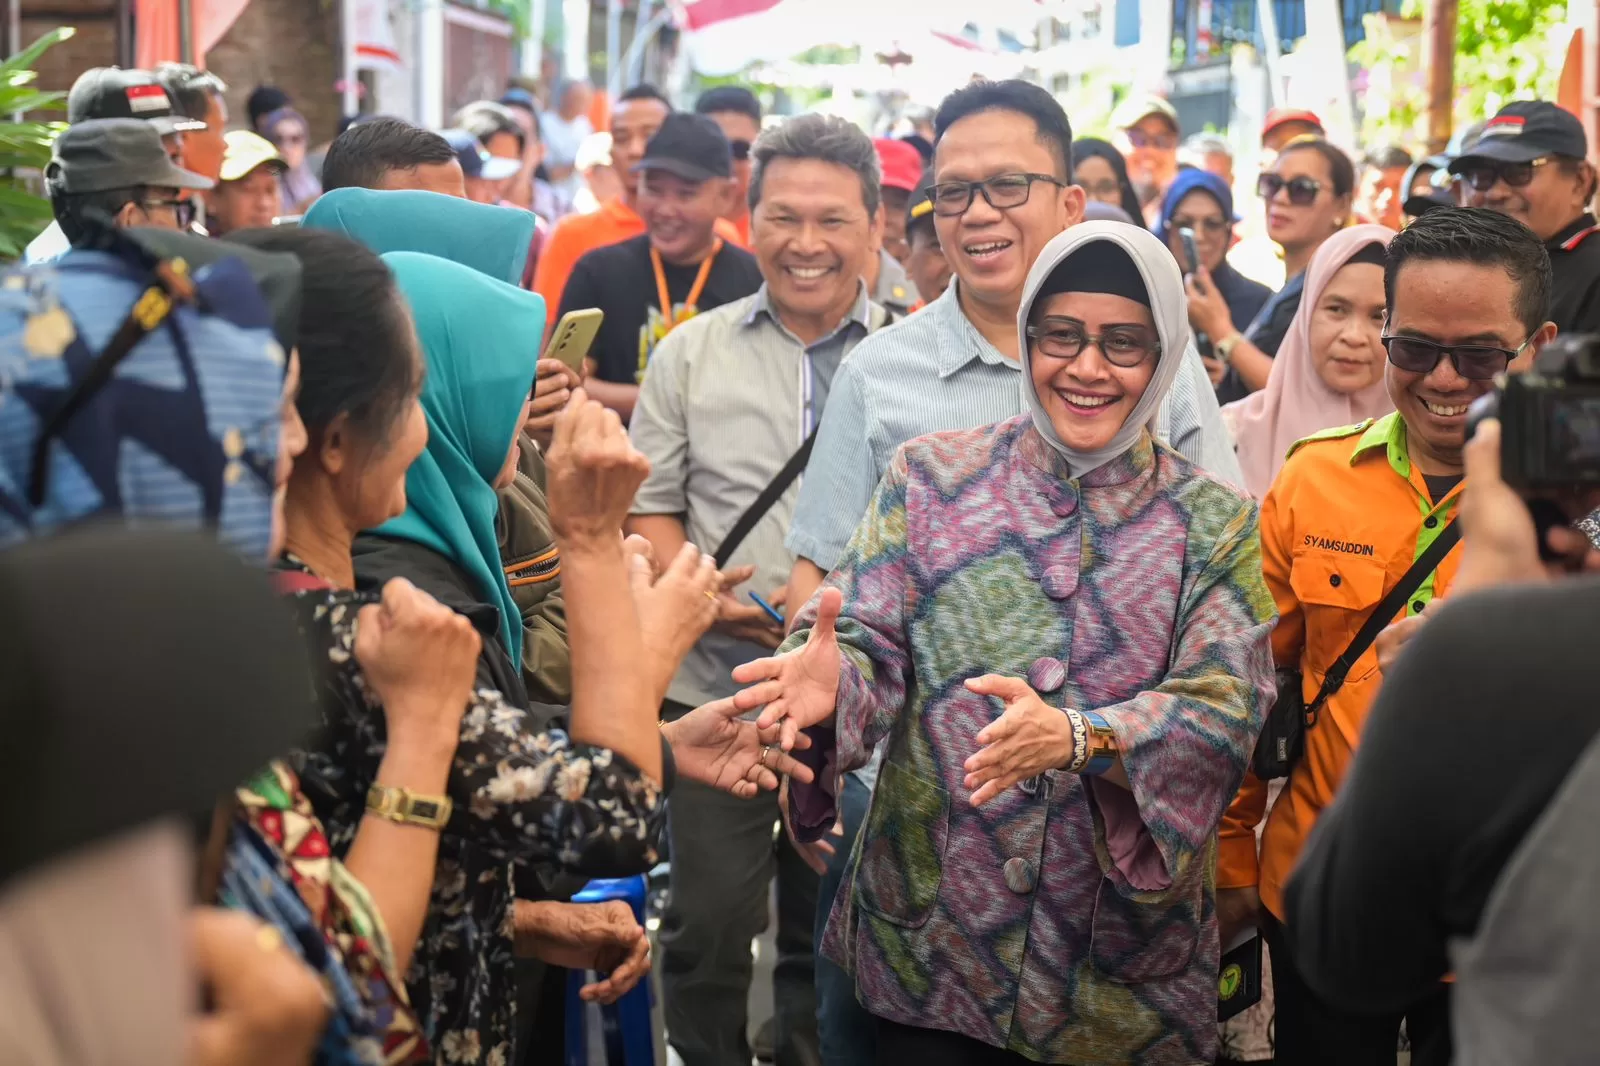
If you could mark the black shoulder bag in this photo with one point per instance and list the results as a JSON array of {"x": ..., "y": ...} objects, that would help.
[
  {"x": 1283, "y": 735},
  {"x": 777, "y": 486}
]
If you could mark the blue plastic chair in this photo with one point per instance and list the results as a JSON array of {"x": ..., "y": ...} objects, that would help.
[{"x": 629, "y": 1026}]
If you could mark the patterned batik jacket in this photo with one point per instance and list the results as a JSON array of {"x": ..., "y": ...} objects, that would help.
[{"x": 1069, "y": 920}]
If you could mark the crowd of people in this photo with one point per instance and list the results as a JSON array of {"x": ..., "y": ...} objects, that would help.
[{"x": 957, "y": 536}]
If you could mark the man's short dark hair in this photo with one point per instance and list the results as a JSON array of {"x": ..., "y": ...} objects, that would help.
[
  {"x": 1021, "y": 97},
  {"x": 72, "y": 209},
  {"x": 827, "y": 138},
  {"x": 645, "y": 91},
  {"x": 1388, "y": 157},
  {"x": 360, "y": 156},
  {"x": 190, "y": 87},
  {"x": 1486, "y": 238},
  {"x": 730, "y": 99}
]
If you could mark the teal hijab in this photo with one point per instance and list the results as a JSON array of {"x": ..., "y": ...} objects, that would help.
[
  {"x": 490, "y": 240},
  {"x": 480, "y": 339}
]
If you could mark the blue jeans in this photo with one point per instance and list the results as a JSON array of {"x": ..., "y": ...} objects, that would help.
[{"x": 847, "y": 1034}]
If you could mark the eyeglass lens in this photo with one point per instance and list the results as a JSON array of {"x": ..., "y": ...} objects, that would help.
[{"x": 1472, "y": 361}]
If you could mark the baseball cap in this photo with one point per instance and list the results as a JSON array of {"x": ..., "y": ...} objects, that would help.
[
  {"x": 1135, "y": 110},
  {"x": 690, "y": 146},
  {"x": 111, "y": 92},
  {"x": 900, "y": 162},
  {"x": 245, "y": 152},
  {"x": 516, "y": 96},
  {"x": 1524, "y": 131},
  {"x": 921, "y": 206},
  {"x": 475, "y": 162},
  {"x": 1282, "y": 116},
  {"x": 115, "y": 153}
]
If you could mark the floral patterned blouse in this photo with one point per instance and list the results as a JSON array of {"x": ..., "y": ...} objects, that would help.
[{"x": 521, "y": 798}]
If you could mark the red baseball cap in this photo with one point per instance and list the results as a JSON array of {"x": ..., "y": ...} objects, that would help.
[
  {"x": 900, "y": 162},
  {"x": 1281, "y": 116}
]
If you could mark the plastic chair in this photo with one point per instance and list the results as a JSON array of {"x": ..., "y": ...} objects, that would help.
[{"x": 627, "y": 1024}]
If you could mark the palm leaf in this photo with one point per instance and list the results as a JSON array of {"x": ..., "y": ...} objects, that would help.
[{"x": 25, "y": 146}]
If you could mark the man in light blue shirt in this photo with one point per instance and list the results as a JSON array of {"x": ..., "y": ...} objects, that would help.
[{"x": 1002, "y": 190}]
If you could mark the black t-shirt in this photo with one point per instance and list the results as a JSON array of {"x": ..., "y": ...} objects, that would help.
[
  {"x": 1473, "y": 733},
  {"x": 619, "y": 280},
  {"x": 1575, "y": 277}
]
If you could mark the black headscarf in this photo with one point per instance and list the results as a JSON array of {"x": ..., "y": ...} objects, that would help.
[
  {"x": 142, "y": 674},
  {"x": 1084, "y": 147}
]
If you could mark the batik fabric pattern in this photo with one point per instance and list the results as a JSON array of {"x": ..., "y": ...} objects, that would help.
[
  {"x": 522, "y": 796},
  {"x": 1069, "y": 920},
  {"x": 336, "y": 925}
]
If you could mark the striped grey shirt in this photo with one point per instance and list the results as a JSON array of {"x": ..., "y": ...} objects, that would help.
[
  {"x": 728, "y": 398},
  {"x": 934, "y": 372}
]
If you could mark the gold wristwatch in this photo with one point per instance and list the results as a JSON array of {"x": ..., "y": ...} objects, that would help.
[
  {"x": 407, "y": 807},
  {"x": 1102, "y": 745},
  {"x": 1224, "y": 348}
]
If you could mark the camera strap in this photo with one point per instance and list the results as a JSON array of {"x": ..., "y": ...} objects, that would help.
[{"x": 1381, "y": 615}]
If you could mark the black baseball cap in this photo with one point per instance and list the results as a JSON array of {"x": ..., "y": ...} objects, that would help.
[
  {"x": 475, "y": 162},
  {"x": 111, "y": 92},
  {"x": 1525, "y": 131},
  {"x": 115, "y": 153},
  {"x": 690, "y": 146}
]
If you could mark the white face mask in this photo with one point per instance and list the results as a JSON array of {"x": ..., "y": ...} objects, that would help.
[{"x": 1164, "y": 285}]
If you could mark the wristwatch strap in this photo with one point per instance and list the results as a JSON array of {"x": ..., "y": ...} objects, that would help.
[
  {"x": 1102, "y": 746},
  {"x": 407, "y": 807}
]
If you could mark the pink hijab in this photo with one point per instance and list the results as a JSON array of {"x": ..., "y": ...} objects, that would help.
[{"x": 1296, "y": 403}]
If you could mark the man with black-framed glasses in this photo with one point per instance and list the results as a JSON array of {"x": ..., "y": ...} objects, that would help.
[
  {"x": 1530, "y": 163},
  {"x": 1349, "y": 514},
  {"x": 118, "y": 169}
]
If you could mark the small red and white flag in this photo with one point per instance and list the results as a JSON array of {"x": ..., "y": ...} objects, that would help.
[{"x": 143, "y": 99}]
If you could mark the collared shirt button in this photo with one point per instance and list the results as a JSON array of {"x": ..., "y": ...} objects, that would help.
[
  {"x": 1047, "y": 675},
  {"x": 1059, "y": 582},
  {"x": 1020, "y": 876},
  {"x": 1335, "y": 580},
  {"x": 1431, "y": 521},
  {"x": 1417, "y": 605}
]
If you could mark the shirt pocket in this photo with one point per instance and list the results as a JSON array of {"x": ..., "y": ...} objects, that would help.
[
  {"x": 902, "y": 854},
  {"x": 1133, "y": 942},
  {"x": 1337, "y": 594}
]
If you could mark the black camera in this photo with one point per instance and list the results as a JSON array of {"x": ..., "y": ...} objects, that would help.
[{"x": 1549, "y": 418}]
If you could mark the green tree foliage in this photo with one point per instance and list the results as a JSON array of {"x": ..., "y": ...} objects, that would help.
[
  {"x": 25, "y": 145},
  {"x": 1505, "y": 50}
]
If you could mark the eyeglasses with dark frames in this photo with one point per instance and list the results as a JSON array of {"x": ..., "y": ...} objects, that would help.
[
  {"x": 1302, "y": 190},
  {"x": 740, "y": 148},
  {"x": 1213, "y": 226},
  {"x": 1475, "y": 362},
  {"x": 1122, "y": 346},
  {"x": 182, "y": 209},
  {"x": 1482, "y": 175},
  {"x": 951, "y": 199}
]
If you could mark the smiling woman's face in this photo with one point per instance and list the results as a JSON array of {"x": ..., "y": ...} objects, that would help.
[{"x": 1088, "y": 398}]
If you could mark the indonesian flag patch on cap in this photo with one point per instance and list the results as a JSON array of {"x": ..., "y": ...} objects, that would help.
[
  {"x": 146, "y": 98},
  {"x": 1504, "y": 126}
]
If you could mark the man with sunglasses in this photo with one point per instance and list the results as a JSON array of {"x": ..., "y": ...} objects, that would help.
[
  {"x": 1468, "y": 295},
  {"x": 1529, "y": 163},
  {"x": 737, "y": 111},
  {"x": 118, "y": 169}
]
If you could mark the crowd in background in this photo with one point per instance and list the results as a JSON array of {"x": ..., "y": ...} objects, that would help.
[{"x": 929, "y": 531}]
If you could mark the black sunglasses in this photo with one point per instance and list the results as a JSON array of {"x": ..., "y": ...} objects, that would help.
[
  {"x": 1482, "y": 175},
  {"x": 1302, "y": 191},
  {"x": 182, "y": 209},
  {"x": 1475, "y": 362},
  {"x": 740, "y": 148}
]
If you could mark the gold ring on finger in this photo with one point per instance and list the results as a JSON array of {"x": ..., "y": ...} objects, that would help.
[
  {"x": 712, "y": 596},
  {"x": 766, "y": 749}
]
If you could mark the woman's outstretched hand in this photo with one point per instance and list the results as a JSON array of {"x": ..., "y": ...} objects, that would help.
[
  {"x": 1028, "y": 739},
  {"x": 713, "y": 746},
  {"x": 799, "y": 689}
]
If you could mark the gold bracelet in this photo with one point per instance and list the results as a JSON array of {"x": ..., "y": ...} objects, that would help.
[{"x": 408, "y": 808}]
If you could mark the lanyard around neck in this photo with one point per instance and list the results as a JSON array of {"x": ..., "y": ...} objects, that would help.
[{"x": 665, "y": 298}]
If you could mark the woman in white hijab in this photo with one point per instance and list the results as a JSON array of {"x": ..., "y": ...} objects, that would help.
[{"x": 1059, "y": 629}]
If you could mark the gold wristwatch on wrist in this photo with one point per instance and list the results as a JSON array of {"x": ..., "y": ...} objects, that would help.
[
  {"x": 407, "y": 807},
  {"x": 1224, "y": 348}
]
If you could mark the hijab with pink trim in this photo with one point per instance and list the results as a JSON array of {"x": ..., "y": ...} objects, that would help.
[{"x": 1296, "y": 402}]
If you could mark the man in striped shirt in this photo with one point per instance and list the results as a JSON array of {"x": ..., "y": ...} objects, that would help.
[{"x": 954, "y": 365}]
